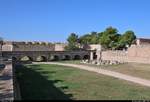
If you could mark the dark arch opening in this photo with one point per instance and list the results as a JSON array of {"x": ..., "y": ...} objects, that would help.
[
  {"x": 77, "y": 57},
  {"x": 41, "y": 58},
  {"x": 86, "y": 57},
  {"x": 54, "y": 58},
  {"x": 14, "y": 59},
  {"x": 26, "y": 58},
  {"x": 67, "y": 57},
  {"x": 94, "y": 55}
]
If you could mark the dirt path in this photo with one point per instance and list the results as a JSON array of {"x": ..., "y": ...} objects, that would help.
[{"x": 137, "y": 80}]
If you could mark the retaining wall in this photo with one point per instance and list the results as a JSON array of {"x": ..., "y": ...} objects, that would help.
[
  {"x": 7, "y": 87},
  {"x": 139, "y": 54}
]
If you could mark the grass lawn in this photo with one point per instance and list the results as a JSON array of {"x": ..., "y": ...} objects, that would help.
[
  {"x": 70, "y": 61},
  {"x": 133, "y": 69},
  {"x": 60, "y": 82}
]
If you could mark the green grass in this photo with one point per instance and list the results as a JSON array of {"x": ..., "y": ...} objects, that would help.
[
  {"x": 133, "y": 69},
  {"x": 60, "y": 82},
  {"x": 70, "y": 61}
]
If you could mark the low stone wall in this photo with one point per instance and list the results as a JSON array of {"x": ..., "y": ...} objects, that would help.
[
  {"x": 139, "y": 54},
  {"x": 6, "y": 83},
  {"x": 117, "y": 55}
]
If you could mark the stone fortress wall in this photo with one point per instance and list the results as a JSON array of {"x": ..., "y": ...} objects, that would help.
[
  {"x": 116, "y": 55},
  {"x": 140, "y": 52},
  {"x": 33, "y": 50},
  {"x": 60, "y": 47},
  {"x": 135, "y": 53},
  {"x": 28, "y": 46}
]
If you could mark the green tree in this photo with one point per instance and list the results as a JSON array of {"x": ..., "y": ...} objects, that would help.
[
  {"x": 109, "y": 38},
  {"x": 72, "y": 42},
  {"x": 126, "y": 39},
  {"x": 94, "y": 38},
  {"x": 91, "y": 38},
  {"x": 85, "y": 39}
]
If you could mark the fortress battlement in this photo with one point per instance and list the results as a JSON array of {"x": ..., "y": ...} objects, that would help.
[{"x": 27, "y": 43}]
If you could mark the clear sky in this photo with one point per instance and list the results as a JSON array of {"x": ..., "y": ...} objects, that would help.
[{"x": 54, "y": 20}]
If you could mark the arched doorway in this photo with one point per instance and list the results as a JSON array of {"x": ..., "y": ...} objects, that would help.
[
  {"x": 26, "y": 58},
  {"x": 41, "y": 58},
  {"x": 14, "y": 59},
  {"x": 67, "y": 57},
  {"x": 54, "y": 58},
  {"x": 94, "y": 55},
  {"x": 77, "y": 57},
  {"x": 85, "y": 57}
]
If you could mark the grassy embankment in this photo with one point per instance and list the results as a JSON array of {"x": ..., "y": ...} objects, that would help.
[{"x": 60, "y": 82}]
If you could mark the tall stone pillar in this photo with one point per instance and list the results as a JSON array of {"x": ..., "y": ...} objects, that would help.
[
  {"x": 98, "y": 53},
  {"x": 98, "y": 56},
  {"x": 91, "y": 56}
]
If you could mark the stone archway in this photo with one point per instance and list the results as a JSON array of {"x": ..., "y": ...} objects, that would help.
[
  {"x": 77, "y": 57},
  {"x": 41, "y": 58},
  {"x": 54, "y": 58},
  {"x": 67, "y": 57},
  {"x": 14, "y": 59},
  {"x": 94, "y": 56},
  {"x": 85, "y": 57},
  {"x": 26, "y": 58}
]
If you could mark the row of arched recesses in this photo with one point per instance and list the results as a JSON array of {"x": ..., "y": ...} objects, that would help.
[
  {"x": 28, "y": 58},
  {"x": 52, "y": 58},
  {"x": 67, "y": 57}
]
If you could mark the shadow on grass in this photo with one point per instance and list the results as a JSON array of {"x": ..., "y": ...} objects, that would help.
[{"x": 36, "y": 86}]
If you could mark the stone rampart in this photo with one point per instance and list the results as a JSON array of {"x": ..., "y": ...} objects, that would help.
[
  {"x": 28, "y": 46},
  {"x": 139, "y": 54},
  {"x": 115, "y": 55}
]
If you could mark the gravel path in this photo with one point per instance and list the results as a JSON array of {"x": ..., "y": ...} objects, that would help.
[{"x": 137, "y": 80}]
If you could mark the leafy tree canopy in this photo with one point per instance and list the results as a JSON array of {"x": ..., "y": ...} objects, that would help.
[
  {"x": 109, "y": 39},
  {"x": 72, "y": 42}
]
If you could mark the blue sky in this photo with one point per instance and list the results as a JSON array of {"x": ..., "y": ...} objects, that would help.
[{"x": 54, "y": 20}]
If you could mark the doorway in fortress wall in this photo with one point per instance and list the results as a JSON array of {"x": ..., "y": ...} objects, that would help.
[{"x": 94, "y": 56}]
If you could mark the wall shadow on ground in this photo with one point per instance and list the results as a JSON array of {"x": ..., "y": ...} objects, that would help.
[{"x": 34, "y": 85}]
